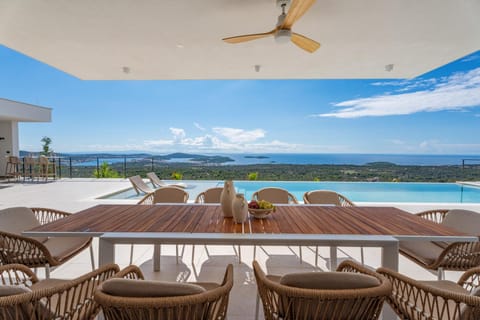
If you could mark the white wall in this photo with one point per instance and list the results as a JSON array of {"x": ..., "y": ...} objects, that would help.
[{"x": 9, "y": 143}]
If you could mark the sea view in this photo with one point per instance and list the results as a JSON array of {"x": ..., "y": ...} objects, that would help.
[
  {"x": 291, "y": 158},
  {"x": 354, "y": 159}
]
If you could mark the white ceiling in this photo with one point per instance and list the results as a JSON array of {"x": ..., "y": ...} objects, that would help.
[{"x": 181, "y": 39}]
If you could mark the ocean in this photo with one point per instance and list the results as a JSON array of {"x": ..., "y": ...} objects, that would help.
[
  {"x": 354, "y": 159},
  {"x": 322, "y": 158}
]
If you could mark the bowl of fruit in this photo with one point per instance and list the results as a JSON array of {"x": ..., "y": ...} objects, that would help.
[{"x": 260, "y": 209}]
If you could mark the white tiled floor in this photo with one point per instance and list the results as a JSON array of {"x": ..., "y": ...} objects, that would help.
[{"x": 76, "y": 194}]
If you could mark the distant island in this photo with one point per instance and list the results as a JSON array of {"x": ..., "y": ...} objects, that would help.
[{"x": 256, "y": 157}]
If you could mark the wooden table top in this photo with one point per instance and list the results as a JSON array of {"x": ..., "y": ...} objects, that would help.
[{"x": 288, "y": 219}]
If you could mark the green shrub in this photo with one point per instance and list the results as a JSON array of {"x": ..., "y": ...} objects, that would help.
[
  {"x": 176, "y": 175},
  {"x": 252, "y": 176},
  {"x": 105, "y": 171}
]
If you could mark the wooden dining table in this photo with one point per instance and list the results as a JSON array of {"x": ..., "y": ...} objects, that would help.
[{"x": 288, "y": 225}]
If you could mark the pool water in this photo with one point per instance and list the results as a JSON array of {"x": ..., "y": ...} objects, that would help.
[{"x": 355, "y": 191}]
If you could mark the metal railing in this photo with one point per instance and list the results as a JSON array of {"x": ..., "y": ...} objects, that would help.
[{"x": 86, "y": 166}]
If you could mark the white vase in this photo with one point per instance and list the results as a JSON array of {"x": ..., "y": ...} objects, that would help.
[
  {"x": 226, "y": 198},
  {"x": 240, "y": 208}
]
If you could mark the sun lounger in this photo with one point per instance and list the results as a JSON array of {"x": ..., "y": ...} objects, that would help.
[
  {"x": 139, "y": 185},
  {"x": 157, "y": 182}
]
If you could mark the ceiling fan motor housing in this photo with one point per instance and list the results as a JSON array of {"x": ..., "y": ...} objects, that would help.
[{"x": 283, "y": 35}]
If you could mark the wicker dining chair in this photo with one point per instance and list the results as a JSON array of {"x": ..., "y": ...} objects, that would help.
[
  {"x": 432, "y": 300},
  {"x": 352, "y": 293},
  {"x": 163, "y": 195},
  {"x": 275, "y": 196},
  {"x": 211, "y": 195},
  {"x": 328, "y": 197},
  {"x": 144, "y": 300},
  {"x": 37, "y": 251},
  {"x": 24, "y": 297},
  {"x": 441, "y": 256}
]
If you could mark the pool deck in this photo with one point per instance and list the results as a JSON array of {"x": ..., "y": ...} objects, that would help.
[{"x": 73, "y": 195}]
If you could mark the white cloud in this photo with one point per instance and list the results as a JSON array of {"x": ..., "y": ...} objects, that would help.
[
  {"x": 178, "y": 134},
  {"x": 236, "y": 135},
  {"x": 198, "y": 126},
  {"x": 457, "y": 92}
]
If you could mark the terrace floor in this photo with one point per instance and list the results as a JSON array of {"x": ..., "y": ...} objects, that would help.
[{"x": 73, "y": 195}]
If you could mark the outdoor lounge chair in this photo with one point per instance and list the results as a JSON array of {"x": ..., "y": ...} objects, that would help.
[
  {"x": 139, "y": 185},
  {"x": 441, "y": 256},
  {"x": 351, "y": 293},
  {"x": 158, "y": 183},
  {"x": 328, "y": 197},
  {"x": 24, "y": 297},
  {"x": 143, "y": 299},
  {"x": 425, "y": 300},
  {"x": 163, "y": 195},
  {"x": 38, "y": 251}
]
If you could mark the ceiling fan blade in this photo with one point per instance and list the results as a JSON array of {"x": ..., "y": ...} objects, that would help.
[
  {"x": 248, "y": 37},
  {"x": 296, "y": 11},
  {"x": 305, "y": 43}
]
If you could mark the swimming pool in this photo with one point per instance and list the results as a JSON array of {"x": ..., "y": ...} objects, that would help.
[{"x": 355, "y": 191}]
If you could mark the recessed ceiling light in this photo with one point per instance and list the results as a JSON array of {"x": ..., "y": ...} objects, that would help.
[{"x": 180, "y": 46}]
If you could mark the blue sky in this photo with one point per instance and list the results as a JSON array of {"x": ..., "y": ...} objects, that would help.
[{"x": 436, "y": 113}]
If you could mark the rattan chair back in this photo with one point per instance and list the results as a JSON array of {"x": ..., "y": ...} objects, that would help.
[
  {"x": 326, "y": 197},
  {"x": 211, "y": 195},
  {"x": 211, "y": 304},
  {"x": 274, "y": 195},
  {"x": 288, "y": 302}
]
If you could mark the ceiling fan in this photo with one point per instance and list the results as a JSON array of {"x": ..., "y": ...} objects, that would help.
[{"x": 283, "y": 30}]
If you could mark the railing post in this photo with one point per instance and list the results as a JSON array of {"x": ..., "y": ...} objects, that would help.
[
  {"x": 59, "y": 167},
  {"x": 152, "y": 165},
  {"x": 98, "y": 168},
  {"x": 125, "y": 167},
  {"x": 70, "y": 167}
]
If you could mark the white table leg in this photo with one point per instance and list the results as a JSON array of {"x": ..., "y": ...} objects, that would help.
[
  {"x": 106, "y": 252},
  {"x": 156, "y": 257},
  {"x": 389, "y": 260},
  {"x": 333, "y": 258}
]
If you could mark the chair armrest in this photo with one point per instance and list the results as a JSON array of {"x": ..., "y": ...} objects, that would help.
[
  {"x": 293, "y": 199},
  {"x": 75, "y": 297},
  {"x": 200, "y": 197},
  {"x": 470, "y": 279},
  {"x": 17, "y": 274},
  {"x": 459, "y": 256},
  {"x": 255, "y": 195},
  {"x": 345, "y": 202},
  {"x": 410, "y": 298},
  {"x": 130, "y": 272},
  {"x": 15, "y": 248},
  {"x": 351, "y": 266},
  {"x": 147, "y": 199},
  {"x": 45, "y": 215},
  {"x": 436, "y": 216}
]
